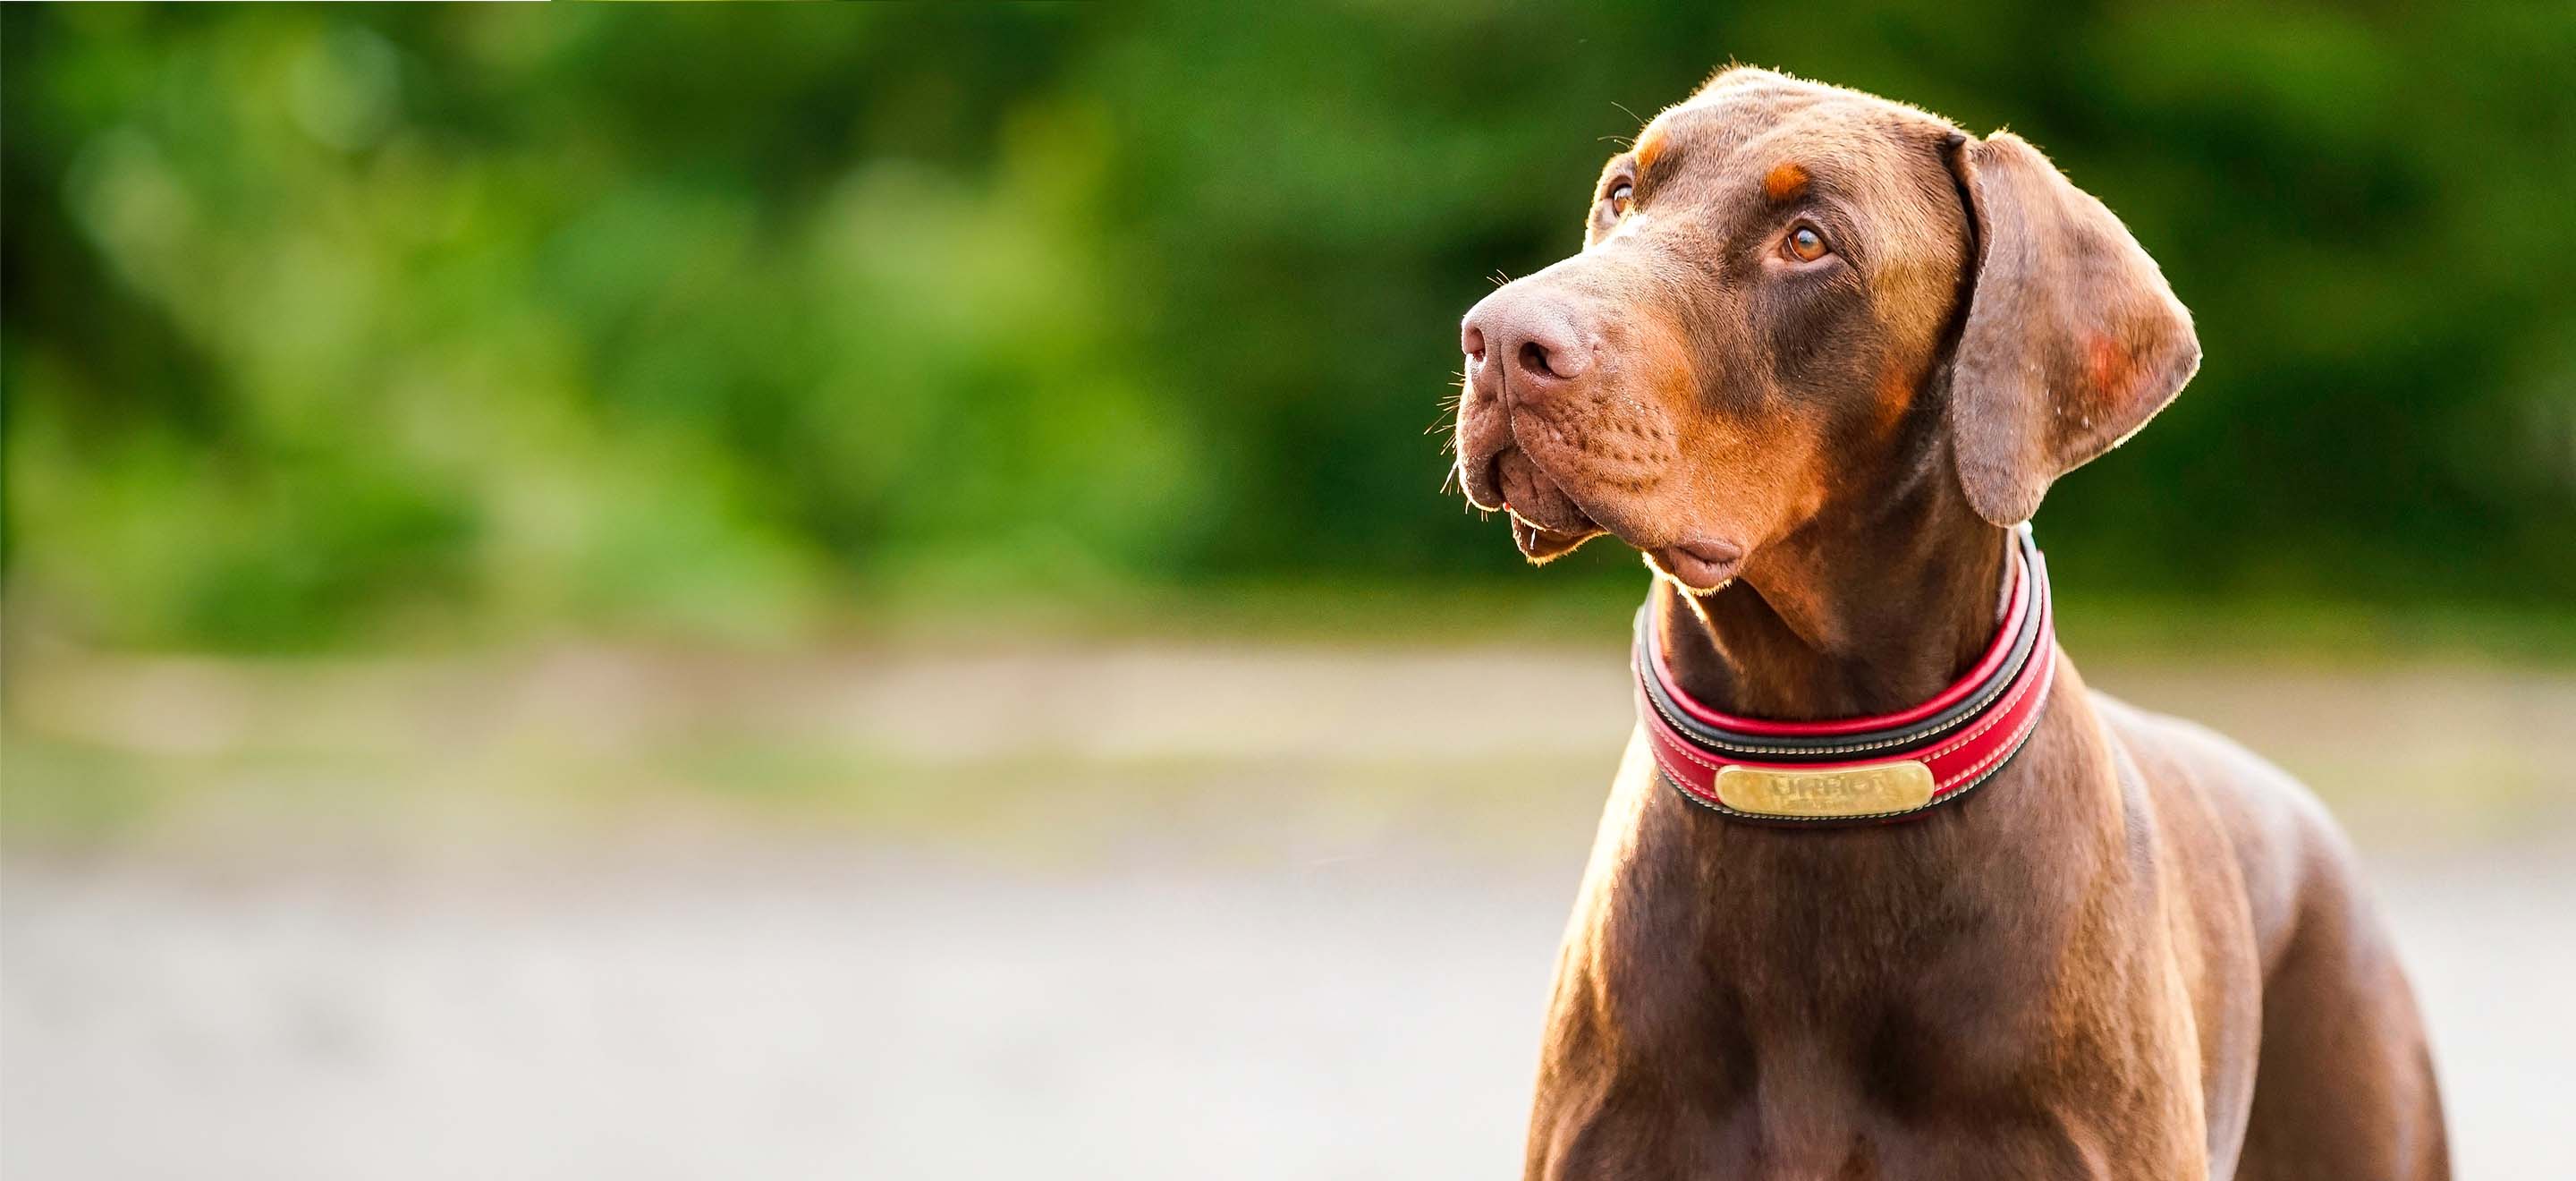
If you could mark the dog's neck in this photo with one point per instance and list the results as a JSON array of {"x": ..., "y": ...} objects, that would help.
[{"x": 1867, "y": 618}]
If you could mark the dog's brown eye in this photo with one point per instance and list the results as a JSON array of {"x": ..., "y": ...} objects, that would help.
[
  {"x": 1620, "y": 197},
  {"x": 1806, "y": 245}
]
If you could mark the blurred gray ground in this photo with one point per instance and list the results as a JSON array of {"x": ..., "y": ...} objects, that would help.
[{"x": 1196, "y": 911}]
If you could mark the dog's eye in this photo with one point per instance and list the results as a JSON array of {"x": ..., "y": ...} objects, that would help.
[
  {"x": 1621, "y": 196},
  {"x": 1805, "y": 244}
]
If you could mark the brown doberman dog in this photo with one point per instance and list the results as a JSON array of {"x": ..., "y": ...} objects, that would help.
[{"x": 1819, "y": 359}]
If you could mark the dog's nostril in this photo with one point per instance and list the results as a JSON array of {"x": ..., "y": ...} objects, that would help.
[
  {"x": 1516, "y": 336},
  {"x": 1534, "y": 360}
]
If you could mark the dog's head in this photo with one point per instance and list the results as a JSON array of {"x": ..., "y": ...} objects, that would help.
[{"x": 1788, "y": 292}]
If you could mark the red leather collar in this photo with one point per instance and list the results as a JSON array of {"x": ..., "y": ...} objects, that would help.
[{"x": 1861, "y": 769}]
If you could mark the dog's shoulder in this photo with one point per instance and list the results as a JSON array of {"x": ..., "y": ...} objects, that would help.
[
  {"x": 2169, "y": 748},
  {"x": 2287, "y": 845}
]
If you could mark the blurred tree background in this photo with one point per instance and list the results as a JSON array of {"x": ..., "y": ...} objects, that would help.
[{"x": 329, "y": 325}]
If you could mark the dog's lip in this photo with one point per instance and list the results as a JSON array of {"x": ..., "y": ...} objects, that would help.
[
  {"x": 1547, "y": 521},
  {"x": 1539, "y": 543},
  {"x": 1701, "y": 564}
]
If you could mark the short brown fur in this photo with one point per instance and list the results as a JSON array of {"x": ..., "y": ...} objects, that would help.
[{"x": 2139, "y": 951}]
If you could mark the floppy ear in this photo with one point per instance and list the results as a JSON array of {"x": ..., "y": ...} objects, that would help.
[{"x": 2072, "y": 340}]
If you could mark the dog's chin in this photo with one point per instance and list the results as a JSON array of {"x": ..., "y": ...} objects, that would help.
[{"x": 1701, "y": 566}]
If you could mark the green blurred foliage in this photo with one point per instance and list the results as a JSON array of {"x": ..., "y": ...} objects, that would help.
[{"x": 324, "y": 323}]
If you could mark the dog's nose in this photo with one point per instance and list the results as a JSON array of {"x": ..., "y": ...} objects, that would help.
[{"x": 1525, "y": 338}]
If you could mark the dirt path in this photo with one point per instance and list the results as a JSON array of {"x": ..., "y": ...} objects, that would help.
[
  {"x": 888, "y": 1017},
  {"x": 1196, "y": 912}
]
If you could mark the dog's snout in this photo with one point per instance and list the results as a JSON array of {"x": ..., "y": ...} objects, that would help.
[
  {"x": 1533, "y": 334},
  {"x": 1526, "y": 346}
]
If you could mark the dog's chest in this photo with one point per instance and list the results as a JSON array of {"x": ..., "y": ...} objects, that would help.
[
  {"x": 1795, "y": 1033},
  {"x": 1794, "y": 995},
  {"x": 1897, "y": 983}
]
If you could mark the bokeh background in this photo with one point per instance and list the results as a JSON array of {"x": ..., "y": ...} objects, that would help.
[{"x": 520, "y": 523}]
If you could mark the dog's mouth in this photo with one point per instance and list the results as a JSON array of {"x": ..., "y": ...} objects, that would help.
[
  {"x": 1546, "y": 523},
  {"x": 1539, "y": 543}
]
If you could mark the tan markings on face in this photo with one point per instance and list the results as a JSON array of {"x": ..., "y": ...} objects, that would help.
[
  {"x": 1736, "y": 474},
  {"x": 1895, "y": 396},
  {"x": 1674, "y": 382},
  {"x": 1649, "y": 146},
  {"x": 1784, "y": 181},
  {"x": 1620, "y": 437}
]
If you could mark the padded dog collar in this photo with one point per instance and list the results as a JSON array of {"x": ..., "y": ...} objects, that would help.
[{"x": 1860, "y": 769}]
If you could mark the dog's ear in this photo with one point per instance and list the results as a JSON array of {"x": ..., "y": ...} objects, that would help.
[{"x": 2072, "y": 340}]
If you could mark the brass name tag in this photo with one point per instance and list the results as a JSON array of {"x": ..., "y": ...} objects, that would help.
[{"x": 1838, "y": 791}]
